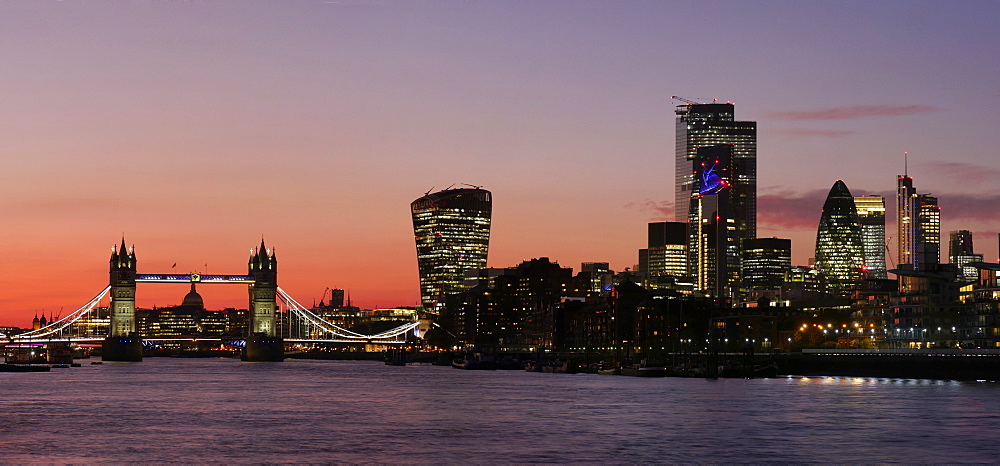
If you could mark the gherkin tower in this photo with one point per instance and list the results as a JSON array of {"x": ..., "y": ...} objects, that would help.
[{"x": 839, "y": 249}]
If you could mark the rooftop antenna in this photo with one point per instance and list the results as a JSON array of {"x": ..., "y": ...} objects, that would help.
[
  {"x": 429, "y": 191},
  {"x": 449, "y": 187},
  {"x": 472, "y": 186},
  {"x": 906, "y": 172}
]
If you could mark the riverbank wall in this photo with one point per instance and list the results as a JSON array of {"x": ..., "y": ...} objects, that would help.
[{"x": 910, "y": 364}]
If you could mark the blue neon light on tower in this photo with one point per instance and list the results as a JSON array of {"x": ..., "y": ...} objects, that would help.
[
  {"x": 714, "y": 242},
  {"x": 711, "y": 182}
]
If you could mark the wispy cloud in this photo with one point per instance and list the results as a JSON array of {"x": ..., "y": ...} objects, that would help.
[
  {"x": 814, "y": 133},
  {"x": 967, "y": 173},
  {"x": 660, "y": 210},
  {"x": 786, "y": 210},
  {"x": 800, "y": 211},
  {"x": 972, "y": 208},
  {"x": 854, "y": 112},
  {"x": 783, "y": 210}
]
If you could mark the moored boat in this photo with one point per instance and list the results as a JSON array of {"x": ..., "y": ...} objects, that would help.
[
  {"x": 639, "y": 370},
  {"x": 23, "y": 368},
  {"x": 475, "y": 362}
]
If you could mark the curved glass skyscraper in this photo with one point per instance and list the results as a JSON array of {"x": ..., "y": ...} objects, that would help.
[
  {"x": 839, "y": 251},
  {"x": 452, "y": 232}
]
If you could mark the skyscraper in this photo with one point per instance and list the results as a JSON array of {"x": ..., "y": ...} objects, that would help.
[
  {"x": 452, "y": 232},
  {"x": 959, "y": 243},
  {"x": 667, "y": 246},
  {"x": 703, "y": 125},
  {"x": 871, "y": 213},
  {"x": 839, "y": 252},
  {"x": 918, "y": 226},
  {"x": 765, "y": 263},
  {"x": 929, "y": 227},
  {"x": 960, "y": 253},
  {"x": 714, "y": 247},
  {"x": 906, "y": 221}
]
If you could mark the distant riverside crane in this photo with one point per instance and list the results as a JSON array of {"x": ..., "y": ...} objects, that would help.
[
  {"x": 687, "y": 101},
  {"x": 888, "y": 252}
]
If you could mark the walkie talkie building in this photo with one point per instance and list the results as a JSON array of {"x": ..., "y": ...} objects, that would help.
[{"x": 452, "y": 232}]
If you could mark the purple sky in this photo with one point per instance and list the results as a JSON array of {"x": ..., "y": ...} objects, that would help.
[{"x": 196, "y": 127}]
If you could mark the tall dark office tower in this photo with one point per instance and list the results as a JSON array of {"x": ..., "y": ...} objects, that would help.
[
  {"x": 929, "y": 226},
  {"x": 906, "y": 221},
  {"x": 714, "y": 244},
  {"x": 918, "y": 226},
  {"x": 871, "y": 212},
  {"x": 703, "y": 125},
  {"x": 959, "y": 244},
  {"x": 765, "y": 262},
  {"x": 961, "y": 254},
  {"x": 839, "y": 252},
  {"x": 452, "y": 232}
]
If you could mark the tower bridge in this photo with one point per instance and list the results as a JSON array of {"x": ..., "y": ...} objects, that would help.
[{"x": 262, "y": 341}]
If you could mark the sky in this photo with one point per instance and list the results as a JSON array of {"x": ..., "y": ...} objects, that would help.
[{"x": 194, "y": 129}]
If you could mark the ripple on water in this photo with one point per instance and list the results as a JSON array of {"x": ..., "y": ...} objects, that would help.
[{"x": 218, "y": 410}]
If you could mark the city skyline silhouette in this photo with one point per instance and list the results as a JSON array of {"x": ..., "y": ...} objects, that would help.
[{"x": 194, "y": 129}]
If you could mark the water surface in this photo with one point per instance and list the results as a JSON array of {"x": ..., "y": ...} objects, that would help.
[{"x": 225, "y": 410}]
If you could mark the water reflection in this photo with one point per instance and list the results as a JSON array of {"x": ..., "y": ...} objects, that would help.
[{"x": 329, "y": 411}]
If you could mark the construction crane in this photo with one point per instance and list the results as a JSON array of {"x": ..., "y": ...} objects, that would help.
[
  {"x": 688, "y": 101},
  {"x": 692, "y": 102},
  {"x": 888, "y": 253},
  {"x": 321, "y": 297}
]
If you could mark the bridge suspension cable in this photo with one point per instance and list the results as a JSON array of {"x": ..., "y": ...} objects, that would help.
[
  {"x": 322, "y": 325},
  {"x": 296, "y": 309},
  {"x": 61, "y": 324}
]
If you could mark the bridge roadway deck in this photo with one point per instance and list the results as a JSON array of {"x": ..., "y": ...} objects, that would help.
[{"x": 191, "y": 277}]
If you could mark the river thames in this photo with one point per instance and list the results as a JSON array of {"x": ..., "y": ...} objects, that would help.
[{"x": 300, "y": 411}]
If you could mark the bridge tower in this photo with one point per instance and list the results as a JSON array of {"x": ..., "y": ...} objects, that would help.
[
  {"x": 263, "y": 343},
  {"x": 123, "y": 342}
]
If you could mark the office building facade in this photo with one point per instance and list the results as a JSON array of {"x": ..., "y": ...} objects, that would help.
[
  {"x": 906, "y": 221},
  {"x": 959, "y": 243},
  {"x": 667, "y": 251},
  {"x": 452, "y": 233},
  {"x": 765, "y": 263},
  {"x": 918, "y": 227},
  {"x": 871, "y": 214},
  {"x": 600, "y": 276},
  {"x": 929, "y": 228},
  {"x": 839, "y": 251},
  {"x": 714, "y": 244},
  {"x": 961, "y": 254},
  {"x": 704, "y": 125}
]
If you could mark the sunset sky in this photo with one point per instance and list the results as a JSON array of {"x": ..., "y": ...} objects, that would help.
[{"x": 196, "y": 128}]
